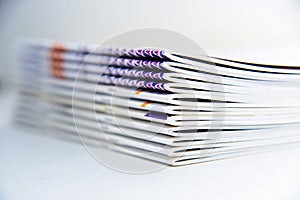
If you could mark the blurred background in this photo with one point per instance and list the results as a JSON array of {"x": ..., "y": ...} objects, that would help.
[
  {"x": 37, "y": 168},
  {"x": 215, "y": 25}
]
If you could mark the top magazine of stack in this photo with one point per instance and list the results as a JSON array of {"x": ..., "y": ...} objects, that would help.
[{"x": 169, "y": 107}]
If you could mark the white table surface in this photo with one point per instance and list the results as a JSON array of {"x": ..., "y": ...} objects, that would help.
[{"x": 36, "y": 167}]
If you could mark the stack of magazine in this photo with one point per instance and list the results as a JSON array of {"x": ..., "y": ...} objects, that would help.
[{"x": 156, "y": 104}]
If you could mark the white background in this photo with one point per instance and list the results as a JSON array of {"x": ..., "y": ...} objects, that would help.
[{"x": 36, "y": 167}]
